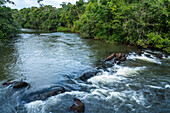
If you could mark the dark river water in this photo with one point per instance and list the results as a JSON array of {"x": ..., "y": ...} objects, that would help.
[{"x": 47, "y": 60}]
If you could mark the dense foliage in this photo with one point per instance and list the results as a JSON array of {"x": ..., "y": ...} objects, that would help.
[
  {"x": 8, "y": 27},
  {"x": 137, "y": 22}
]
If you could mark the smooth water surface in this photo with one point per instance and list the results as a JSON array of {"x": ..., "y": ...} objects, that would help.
[{"x": 48, "y": 60}]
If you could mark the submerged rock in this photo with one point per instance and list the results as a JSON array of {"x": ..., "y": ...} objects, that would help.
[
  {"x": 78, "y": 106},
  {"x": 159, "y": 55},
  {"x": 88, "y": 75},
  {"x": 16, "y": 84},
  {"x": 45, "y": 95},
  {"x": 20, "y": 85}
]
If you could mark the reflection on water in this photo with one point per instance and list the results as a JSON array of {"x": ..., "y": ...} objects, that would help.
[{"x": 46, "y": 60}]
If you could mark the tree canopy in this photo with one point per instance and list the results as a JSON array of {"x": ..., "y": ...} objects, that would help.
[{"x": 8, "y": 27}]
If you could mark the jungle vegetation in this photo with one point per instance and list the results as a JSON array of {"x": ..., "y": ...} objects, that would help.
[
  {"x": 143, "y": 23},
  {"x": 8, "y": 27}
]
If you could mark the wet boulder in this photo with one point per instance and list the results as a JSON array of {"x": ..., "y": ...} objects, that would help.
[
  {"x": 118, "y": 56},
  {"x": 110, "y": 57},
  {"x": 88, "y": 75},
  {"x": 20, "y": 85},
  {"x": 45, "y": 94},
  {"x": 16, "y": 84},
  {"x": 123, "y": 59},
  {"x": 78, "y": 106}
]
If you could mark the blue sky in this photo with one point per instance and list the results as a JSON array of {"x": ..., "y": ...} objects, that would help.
[{"x": 19, "y": 4}]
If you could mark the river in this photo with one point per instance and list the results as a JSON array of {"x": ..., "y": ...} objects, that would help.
[{"x": 141, "y": 84}]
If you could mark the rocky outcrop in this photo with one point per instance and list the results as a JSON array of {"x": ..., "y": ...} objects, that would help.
[
  {"x": 117, "y": 57},
  {"x": 78, "y": 106}
]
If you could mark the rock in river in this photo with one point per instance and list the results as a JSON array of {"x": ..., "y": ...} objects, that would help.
[
  {"x": 123, "y": 59},
  {"x": 110, "y": 57},
  {"x": 16, "y": 84},
  {"x": 45, "y": 95},
  {"x": 159, "y": 55},
  {"x": 88, "y": 75},
  {"x": 20, "y": 85},
  {"x": 78, "y": 106}
]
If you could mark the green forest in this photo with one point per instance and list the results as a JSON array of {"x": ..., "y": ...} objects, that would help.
[
  {"x": 8, "y": 26},
  {"x": 142, "y": 23}
]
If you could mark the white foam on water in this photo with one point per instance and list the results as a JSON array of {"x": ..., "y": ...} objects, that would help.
[
  {"x": 101, "y": 93},
  {"x": 139, "y": 98},
  {"x": 35, "y": 107},
  {"x": 125, "y": 96},
  {"x": 41, "y": 106},
  {"x": 78, "y": 94},
  {"x": 119, "y": 95},
  {"x": 168, "y": 58},
  {"x": 108, "y": 94},
  {"x": 167, "y": 86},
  {"x": 105, "y": 78},
  {"x": 104, "y": 94},
  {"x": 86, "y": 85},
  {"x": 144, "y": 58},
  {"x": 157, "y": 52},
  {"x": 126, "y": 71},
  {"x": 155, "y": 87}
]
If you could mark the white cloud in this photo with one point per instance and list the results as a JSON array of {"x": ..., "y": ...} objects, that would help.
[{"x": 19, "y": 4}]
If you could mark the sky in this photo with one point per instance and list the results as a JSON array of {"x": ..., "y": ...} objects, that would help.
[{"x": 19, "y": 4}]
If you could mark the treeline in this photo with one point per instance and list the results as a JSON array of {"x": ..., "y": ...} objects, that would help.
[
  {"x": 138, "y": 22},
  {"x": 50, "y": 18},
  {"x": 8, "y": 27}
]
